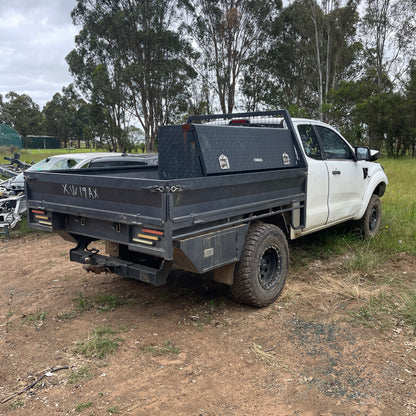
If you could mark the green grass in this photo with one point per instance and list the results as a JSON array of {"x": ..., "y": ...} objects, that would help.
[
  {"x": 100, "y": 303},
  {"x": 35, "y": 319},
  {"x": 35, "y": 155},
  {"x": 385, "y": 298},
  {"x": 387, "y": 309},
  {"x": 21, "y": 230},
  {"x": 166, "y": 348},
  {"x": 17, "y": 404},
  {"x": 398, "y": 229},
  {"x": 399, "y": 207},
  {"x": 82, "y": 374},
  {"x": 377, "y": 312},
  {"x": 100, "y": 343},
  {"x": 82, "y": 406},
  {"x": 407, "y": 310}
]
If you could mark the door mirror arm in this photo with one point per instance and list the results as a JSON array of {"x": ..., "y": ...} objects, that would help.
[{"x": 364, "y": 153}]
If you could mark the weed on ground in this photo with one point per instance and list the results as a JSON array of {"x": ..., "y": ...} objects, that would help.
[{"x": 100, "y": 343}]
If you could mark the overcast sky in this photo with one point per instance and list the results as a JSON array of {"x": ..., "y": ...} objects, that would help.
[{"x": 35, "y": 37}]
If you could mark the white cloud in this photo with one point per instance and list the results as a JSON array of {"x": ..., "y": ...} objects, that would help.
[{"x": 35, "y": 37}]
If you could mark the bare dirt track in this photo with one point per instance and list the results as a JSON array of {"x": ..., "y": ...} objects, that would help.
[{"x": 189, "y": 349}]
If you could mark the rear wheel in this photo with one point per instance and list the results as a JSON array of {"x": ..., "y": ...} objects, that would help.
[
  {"x": 261, "y": 272},
  {"x": 371, "y": 220}
]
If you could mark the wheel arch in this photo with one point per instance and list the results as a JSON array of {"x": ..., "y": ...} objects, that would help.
[{"x": 378, "y": 189}]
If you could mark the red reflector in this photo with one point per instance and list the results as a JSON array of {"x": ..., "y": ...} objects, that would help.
[
  {"x": 146, "y": 230},
  {"x": 36, "y": 211}
]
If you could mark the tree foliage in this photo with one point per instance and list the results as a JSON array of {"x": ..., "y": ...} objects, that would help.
[
  {"x": 152, "y": 62},
  {"x": 22, "y": 114},
  {"x": 130, "y": 59},
  {"x": 312, "y": 49},
  {"x": 66, "y": 116},
  {"x": 389, "y": 28},
  {"x": 227, "y": 34}
]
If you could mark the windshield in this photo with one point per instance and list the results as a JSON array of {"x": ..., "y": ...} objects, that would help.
[
  {"x": 50, "y": 163},
  {"x": 54, "y": 164}
]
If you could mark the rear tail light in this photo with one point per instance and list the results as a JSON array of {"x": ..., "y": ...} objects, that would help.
[
  {"x": 41, "y": 217},
  {"x": 148, "y": 237}
]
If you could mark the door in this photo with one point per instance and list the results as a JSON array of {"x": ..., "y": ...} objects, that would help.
[
  {"x": 345, "y": 175},
  {"x": 317, "y": 208}
]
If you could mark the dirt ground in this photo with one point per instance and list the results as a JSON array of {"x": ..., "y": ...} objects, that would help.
[{"x": 187, "y": 348}]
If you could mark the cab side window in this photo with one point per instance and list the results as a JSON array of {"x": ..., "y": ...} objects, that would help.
[
  {"x": 333, "y": 145},
  {"x": 310, "y": 141}
]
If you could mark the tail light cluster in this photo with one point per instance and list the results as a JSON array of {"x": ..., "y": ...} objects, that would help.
[
  {"x": 148, "y": 237},
  {"x": 41, "y": 217}
]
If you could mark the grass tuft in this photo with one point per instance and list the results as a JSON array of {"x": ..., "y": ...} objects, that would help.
[
  {"x": 83, "y": 373},
  {"x": 100, "y": 343},
  {"x": 166, "y": 348},
  {"x": 82, "y": 406},
  {"x": 35, "y": 319},
  {"x": 408, "y": 309}
]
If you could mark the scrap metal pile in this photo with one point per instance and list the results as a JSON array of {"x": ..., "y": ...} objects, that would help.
[{"x": 12, "y": 202}]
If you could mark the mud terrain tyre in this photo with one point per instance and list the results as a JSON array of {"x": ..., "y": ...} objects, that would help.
[
  {"x": 261, "y": 272},
  {"x": 370, "y": 222}
]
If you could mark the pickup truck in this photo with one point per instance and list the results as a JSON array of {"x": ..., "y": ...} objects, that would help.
[{"x": 228, "y": 193}]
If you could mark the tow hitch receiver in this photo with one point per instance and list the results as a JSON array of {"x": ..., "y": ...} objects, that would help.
[{"x": 97, "y": 263}]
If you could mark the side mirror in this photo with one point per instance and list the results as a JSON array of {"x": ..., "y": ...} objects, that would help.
[{"x": 362, "y": 153}]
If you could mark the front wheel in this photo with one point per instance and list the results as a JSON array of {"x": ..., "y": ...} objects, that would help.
[
  {"x": 261, "y": 272},
  {"x": 371, "y": 220}
]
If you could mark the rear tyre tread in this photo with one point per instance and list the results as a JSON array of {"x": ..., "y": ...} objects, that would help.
[{"x": 246, "y": 288}]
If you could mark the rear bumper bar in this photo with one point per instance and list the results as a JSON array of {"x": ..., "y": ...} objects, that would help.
[{"x": 97, "y": 263}]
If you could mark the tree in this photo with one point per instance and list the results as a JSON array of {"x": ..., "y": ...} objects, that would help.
[
  {"x": 409, "y": 139},
  {"x": 313, "y": 48},
  {"x": 22, "y": 114},
  {"x": 384, "y": 116},
  {"x": 335, "y": 49},
  {"x": 227, "y": 34},
  {"x": 342, "y": 103},
  {"x": 389, "y": 28},
  {"x": 61, "y": 115},
  {"x": 372, "y": 116},
  {"x": 130, "y": 59}
]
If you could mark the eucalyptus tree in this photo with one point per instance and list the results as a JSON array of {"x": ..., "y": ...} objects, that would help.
[
  {"x": 64, "y": 116},
  {"x": 227, "y": 34},
  {"x": 389, "y": 28},
  {"x": 131, "y": 60},
  {"x": 313, "y": 48},
  {"x": 333, "y": 33},
  {"x": 22, "y": 113}
]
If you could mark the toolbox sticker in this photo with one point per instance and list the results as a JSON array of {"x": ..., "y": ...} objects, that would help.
[
  {"x": 224, "y": 162},
  {"x": 286, "y": 159}
]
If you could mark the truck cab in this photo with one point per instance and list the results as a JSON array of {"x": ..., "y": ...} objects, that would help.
[{"x": 341, "y": 179}]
